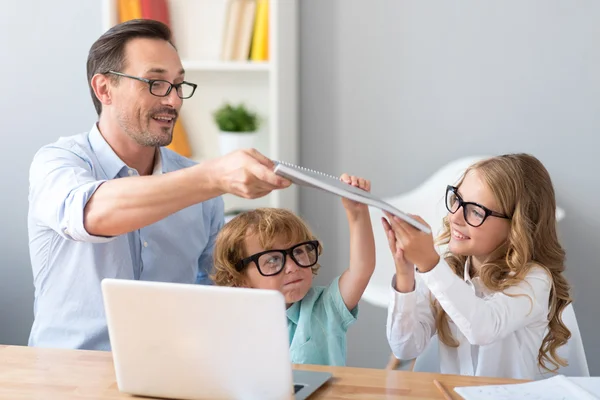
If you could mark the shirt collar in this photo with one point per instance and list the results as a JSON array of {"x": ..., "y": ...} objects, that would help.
[
  {"x": 158, "y": 164},
  {"x": 293, "y": 313},
  {"x": 479, "y": 288},
  {"x": 110, "y": 161},
  {"x": 467, "y": 276}
]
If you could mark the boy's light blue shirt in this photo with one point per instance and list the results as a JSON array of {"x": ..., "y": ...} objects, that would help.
[
  {"x": 68, "y": 263},
  {"x": 317, "y": 326}
]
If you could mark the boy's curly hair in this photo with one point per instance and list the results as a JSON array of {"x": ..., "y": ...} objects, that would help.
[{"x": 270, "y": 224}]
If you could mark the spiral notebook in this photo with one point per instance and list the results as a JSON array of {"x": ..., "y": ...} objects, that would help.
[{"x": 329, "y": 183}]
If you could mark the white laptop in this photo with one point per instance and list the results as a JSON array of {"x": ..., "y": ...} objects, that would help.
[{"x": 184, "y": 341}]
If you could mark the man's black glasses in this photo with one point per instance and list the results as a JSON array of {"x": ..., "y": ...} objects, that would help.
[{"x": 162, "y": 88}]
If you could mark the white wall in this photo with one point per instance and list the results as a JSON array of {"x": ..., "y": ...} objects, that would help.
[{"x": 44, "y": 96}]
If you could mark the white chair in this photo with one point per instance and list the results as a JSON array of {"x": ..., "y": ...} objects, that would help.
[
  {"x": 573, "y": 351},
  {"x": 427, "y": 200},
  {"x": 429, "y": 360}
]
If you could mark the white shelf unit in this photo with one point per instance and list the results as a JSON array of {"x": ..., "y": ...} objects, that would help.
[
  {"x": 225, "y": 66},
  {"x": 270, "y": 88}
]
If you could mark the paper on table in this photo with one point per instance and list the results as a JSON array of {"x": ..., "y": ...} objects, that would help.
[
  {"x": 589, "y": 383},
  {"x": 556, "y": 388}
]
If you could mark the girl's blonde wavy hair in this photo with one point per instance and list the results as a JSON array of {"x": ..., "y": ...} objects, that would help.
[
  {"x": 523, "y": 189},
  {"x": 269, "y": 224}
]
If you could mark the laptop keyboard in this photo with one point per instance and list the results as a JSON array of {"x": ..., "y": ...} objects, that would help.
[{"x": 297, "y": 388}]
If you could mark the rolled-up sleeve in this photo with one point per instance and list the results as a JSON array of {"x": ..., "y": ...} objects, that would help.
[{"x": 60, "y": 184}]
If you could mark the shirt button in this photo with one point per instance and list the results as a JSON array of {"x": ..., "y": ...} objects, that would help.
[
  {"x": 130, "y": 172},
  {"x": 145, "y": 244}
]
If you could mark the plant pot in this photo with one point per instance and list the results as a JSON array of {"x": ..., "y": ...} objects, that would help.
[{"x": 231, "y": 141}]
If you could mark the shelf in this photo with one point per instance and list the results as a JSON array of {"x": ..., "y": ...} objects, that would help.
[{"x": 226, "y": 66}]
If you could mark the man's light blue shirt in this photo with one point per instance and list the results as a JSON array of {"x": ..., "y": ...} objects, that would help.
[
  {"x": 317, "y": 326},
  {"x": 68, "y": 263}
]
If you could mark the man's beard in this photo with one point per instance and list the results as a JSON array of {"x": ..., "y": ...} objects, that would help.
[{"x": 143, "y": 136}]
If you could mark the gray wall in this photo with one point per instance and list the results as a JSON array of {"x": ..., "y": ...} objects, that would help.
[
  {"x": 393, "y": 90},
  {"x": 44, "y": 96}
]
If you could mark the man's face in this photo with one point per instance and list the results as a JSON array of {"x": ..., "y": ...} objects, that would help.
[{"x": 146, "y": 118}]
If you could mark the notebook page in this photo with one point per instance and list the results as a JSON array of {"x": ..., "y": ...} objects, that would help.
[{"x": 555, "y": 388}]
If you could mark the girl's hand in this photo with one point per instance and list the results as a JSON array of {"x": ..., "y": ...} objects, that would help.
[
  {"x": 403, "y": 267},
  {"x": 417, "y": 246}
]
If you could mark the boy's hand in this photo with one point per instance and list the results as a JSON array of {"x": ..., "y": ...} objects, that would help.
[{"x": 352, "y": 207}]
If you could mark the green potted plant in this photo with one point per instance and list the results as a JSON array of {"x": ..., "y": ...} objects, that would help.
[{"x": 238, "y": 127}]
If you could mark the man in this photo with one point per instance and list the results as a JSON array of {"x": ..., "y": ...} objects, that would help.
[{"x": 113, "y": 203}]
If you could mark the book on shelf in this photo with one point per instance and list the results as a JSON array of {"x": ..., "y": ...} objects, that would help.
[
  {"x": 157, "y": 10},
  {"x": 260, "y": 36},
  {"x": 129, "y": 9},
  {"x": 245, "y": 35}
]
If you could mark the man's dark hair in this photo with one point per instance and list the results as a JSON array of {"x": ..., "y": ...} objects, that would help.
[{"x": 107, "y": 53}]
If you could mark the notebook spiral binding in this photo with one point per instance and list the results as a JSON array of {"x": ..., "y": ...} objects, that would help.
[{"x": 307, "y": 170}]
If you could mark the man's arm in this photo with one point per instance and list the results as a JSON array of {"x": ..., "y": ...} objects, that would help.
[
  {"x": 61, "y": 182},
  {"x": 124, "y": 205},
  {"x": 66, "y": 196}
]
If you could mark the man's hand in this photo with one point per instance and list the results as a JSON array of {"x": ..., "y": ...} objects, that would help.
[{"x": 245, "y": 173}]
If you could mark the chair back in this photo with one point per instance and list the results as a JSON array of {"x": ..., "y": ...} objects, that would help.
[{"x": 573, "y": 351}]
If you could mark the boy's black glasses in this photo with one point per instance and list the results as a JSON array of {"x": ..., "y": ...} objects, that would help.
[
  {"x": 272, "y": 262},
  {"x": 475, "y": 214}
]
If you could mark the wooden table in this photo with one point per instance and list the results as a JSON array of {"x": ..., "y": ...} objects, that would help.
[{"x": 34, "y": 373}]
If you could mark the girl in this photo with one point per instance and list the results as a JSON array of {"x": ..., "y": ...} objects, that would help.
[
  {"x": 274, "y": 249},
  {"x": 495, "y": 299}
]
